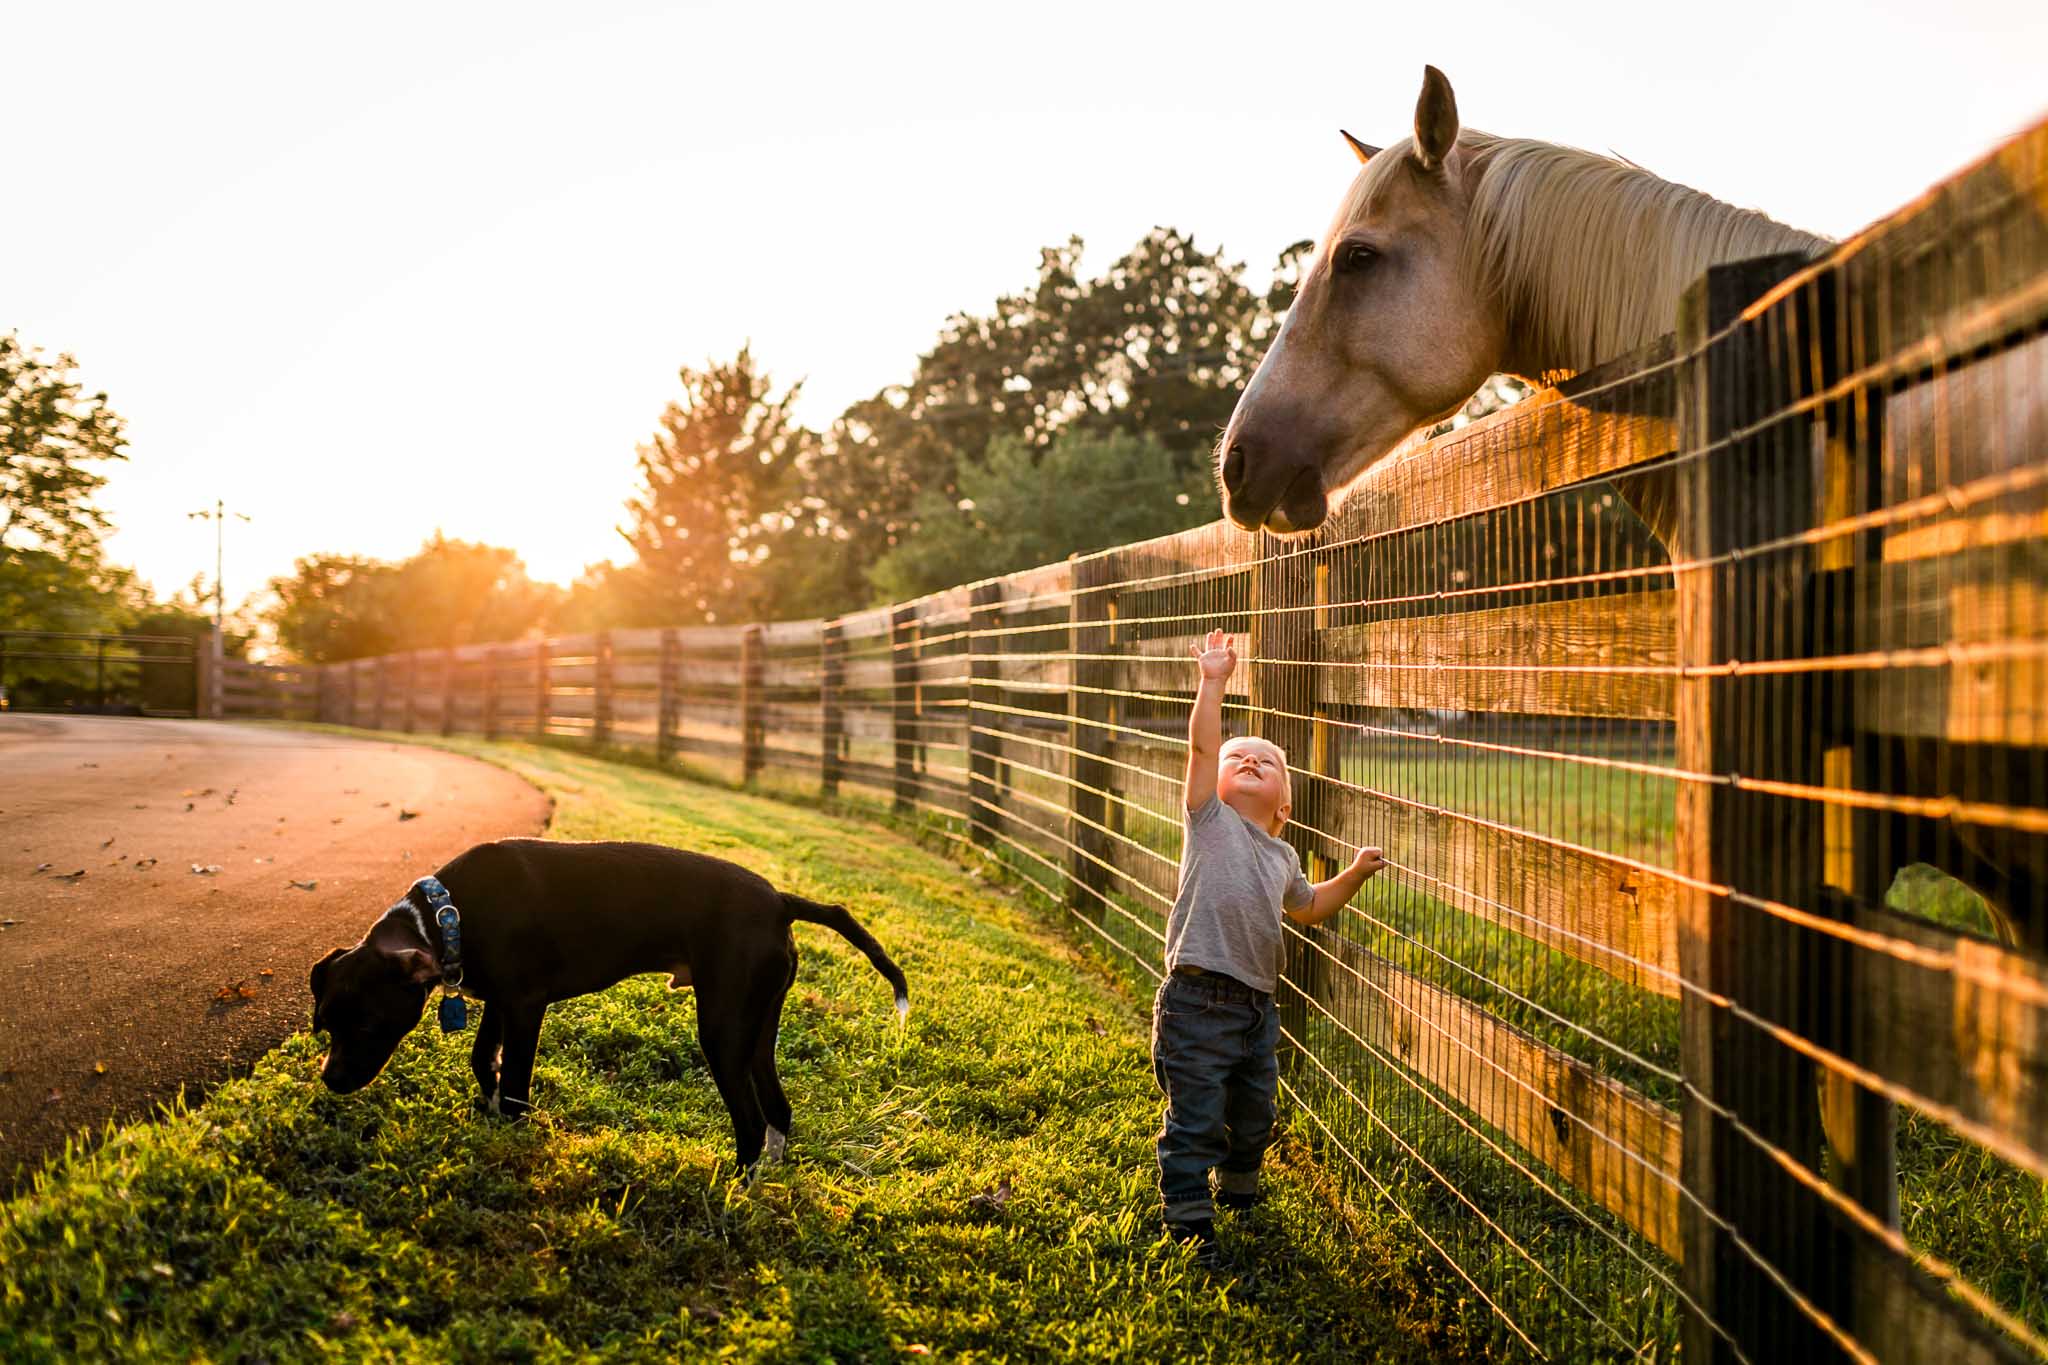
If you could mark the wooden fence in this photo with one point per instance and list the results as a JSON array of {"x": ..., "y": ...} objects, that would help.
[{"x": 1645, "y": 1031}]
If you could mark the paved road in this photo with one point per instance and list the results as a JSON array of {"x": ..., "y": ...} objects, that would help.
[{"x": 143, "y": 974}]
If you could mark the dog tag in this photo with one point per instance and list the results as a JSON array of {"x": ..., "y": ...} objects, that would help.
[{"x": 454, "y": 1014}]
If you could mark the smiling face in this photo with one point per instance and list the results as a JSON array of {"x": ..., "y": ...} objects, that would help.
[
  {"x": 1251, "y": 779},
  {"x": 1387, "y": 333}
]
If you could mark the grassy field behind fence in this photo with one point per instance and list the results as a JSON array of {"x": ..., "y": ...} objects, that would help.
[{"x": 278, "y": 1221}]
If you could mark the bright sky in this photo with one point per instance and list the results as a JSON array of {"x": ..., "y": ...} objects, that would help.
[{"x": 371, "y": 270}]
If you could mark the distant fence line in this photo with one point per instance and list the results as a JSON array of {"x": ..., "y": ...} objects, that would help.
[{"x": 1644, "y": 1032}]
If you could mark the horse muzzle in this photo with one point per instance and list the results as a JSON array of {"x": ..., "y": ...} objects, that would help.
[{"x": 1287, "y": 499}]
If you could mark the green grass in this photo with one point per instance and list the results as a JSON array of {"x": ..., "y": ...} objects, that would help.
[{"x": 278, "y": 1221}]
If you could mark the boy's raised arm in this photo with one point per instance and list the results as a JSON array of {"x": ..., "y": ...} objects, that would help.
[{"x": 1217, "y": 659}]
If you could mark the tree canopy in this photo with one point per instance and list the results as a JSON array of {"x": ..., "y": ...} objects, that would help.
[{"x": 52, "y": 433}]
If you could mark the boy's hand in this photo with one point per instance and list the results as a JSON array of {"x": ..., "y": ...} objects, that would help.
[
  {"x": 1218, "y": 657},
  {"x": 1367, "y": 863}
]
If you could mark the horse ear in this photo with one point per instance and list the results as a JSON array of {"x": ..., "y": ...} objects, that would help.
[
  {"x": 1436, "y": 120},
  {"x": 1359, "y": 149}
]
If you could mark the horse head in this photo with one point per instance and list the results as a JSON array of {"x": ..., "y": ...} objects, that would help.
[{"x": 1388, "y": 331}]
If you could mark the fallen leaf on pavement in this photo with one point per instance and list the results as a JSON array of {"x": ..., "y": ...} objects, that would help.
[
  {"x": 305, "y": 886},
  {"x": 8, "y": 923},
  {"x": 206, "y": 871},
  {"x": 99, "y": 1068},
  {"x": 382, "y": 804},
  {"x": 41, "y": 868},
  {"x": 54, "y": 1095},
  {"x": 264, "y": 972},
  {"x": 144, "y": 864},
  {"x": 241, "y": 990},
  {"x": 69, "y": 876},
  {"x": 188, "y": 806},
  {"x": 109, "y": 843},
  {"x": 408, "y": 814}
]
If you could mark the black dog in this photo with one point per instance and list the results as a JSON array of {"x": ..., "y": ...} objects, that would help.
[{"x": 538, "y": 921}]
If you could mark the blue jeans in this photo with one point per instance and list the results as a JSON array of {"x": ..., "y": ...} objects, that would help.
[{"x": 1214, "y": 1045}]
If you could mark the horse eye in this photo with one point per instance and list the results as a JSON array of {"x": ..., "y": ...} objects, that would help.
[{"x": 1357, "y": 256}]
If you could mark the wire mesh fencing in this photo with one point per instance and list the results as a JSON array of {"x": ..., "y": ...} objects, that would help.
[{"x": 1700, "y": 705}]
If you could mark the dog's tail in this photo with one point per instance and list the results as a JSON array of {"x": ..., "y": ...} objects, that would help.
[{"x": 837, "y": 917}]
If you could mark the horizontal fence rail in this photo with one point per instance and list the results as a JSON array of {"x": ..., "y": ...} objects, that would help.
[{"x": 1706, "y": 997}]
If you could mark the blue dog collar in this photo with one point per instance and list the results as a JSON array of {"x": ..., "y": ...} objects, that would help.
[{"x": 453, "y": 1013}]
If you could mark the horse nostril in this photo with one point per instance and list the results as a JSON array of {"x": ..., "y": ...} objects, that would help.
[{"x": 1233, "y": 469}]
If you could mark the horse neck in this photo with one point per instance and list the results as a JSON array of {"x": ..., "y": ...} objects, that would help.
[{"x": 1588, "y": 255}]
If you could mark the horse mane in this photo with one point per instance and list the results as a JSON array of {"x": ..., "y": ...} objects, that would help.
[{"x": 1588, "y": 254}]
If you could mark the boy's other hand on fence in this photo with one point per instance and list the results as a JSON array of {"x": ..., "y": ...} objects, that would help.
[{"x": 1217, "y": 657}]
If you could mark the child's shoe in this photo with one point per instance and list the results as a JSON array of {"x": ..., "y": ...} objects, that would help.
[{"x": 1201, "y": 1233}]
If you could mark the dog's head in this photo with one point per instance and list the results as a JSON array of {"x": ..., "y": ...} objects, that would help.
[{"x": 366, "y": 999}]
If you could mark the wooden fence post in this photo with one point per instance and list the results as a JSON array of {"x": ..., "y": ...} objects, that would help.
[
  {"x": 1736, "y": 491},
  {"x": 903, "y": 716},
  {"x": 984, "y": 614},
  {"x": 493, "y": 656},
  {"x": 450, "y": 691},
  {"x": 409, "y": 710},
  {"x": 542, "y": 689},
  {"x": 381, "y": 694},
  {"x": 208, "y": 670},
  {"x": 753, "y": 730},
  {"x": 1088, "y": 736},
  {"x": 1284, "y": 685},
  {"x": 832, "y": 706},
  {"x": 601, "y": 708},
  {"x": 668, "y": 702}
]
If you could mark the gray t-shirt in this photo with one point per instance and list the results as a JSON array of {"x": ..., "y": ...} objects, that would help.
[{"x": 1235, "y": 882}]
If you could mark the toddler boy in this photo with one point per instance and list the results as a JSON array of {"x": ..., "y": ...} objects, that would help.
[{"x": 1214, "y": 1029}]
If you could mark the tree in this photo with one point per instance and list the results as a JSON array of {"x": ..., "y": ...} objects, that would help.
[
  {"x": 714, "y": 496},
  {"x": 1158, "y": 346},
  {"x": 50, "y": 432},
  {"x": 453, "y": 592},
  {"x": 1018, "y": 507}
]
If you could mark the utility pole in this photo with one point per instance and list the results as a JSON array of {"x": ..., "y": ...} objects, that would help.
[{"x": 218, "y": 515}]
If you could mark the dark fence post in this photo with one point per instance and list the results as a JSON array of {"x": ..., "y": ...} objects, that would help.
[
  {"x": 381, "y": 697},
  {"x": 903, "y": 716},
  {"x": 984, "y": 614},
  {"x": 831, "y": 705},
  {"x": 450, "y": 691},
  {"x": 1283, "y": 685},
  {"x": 1088, "y": 736},
  {"x": 492, "y": 655},
  {"x": 1744, "y": 480},
  {"x": 409, "y": 711},
  {"x": 753, "y": 734},
  {"x": 541, "y": 688},
  {"x": 601, "y": 708},
  {"x": 667, "y": 704}
]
